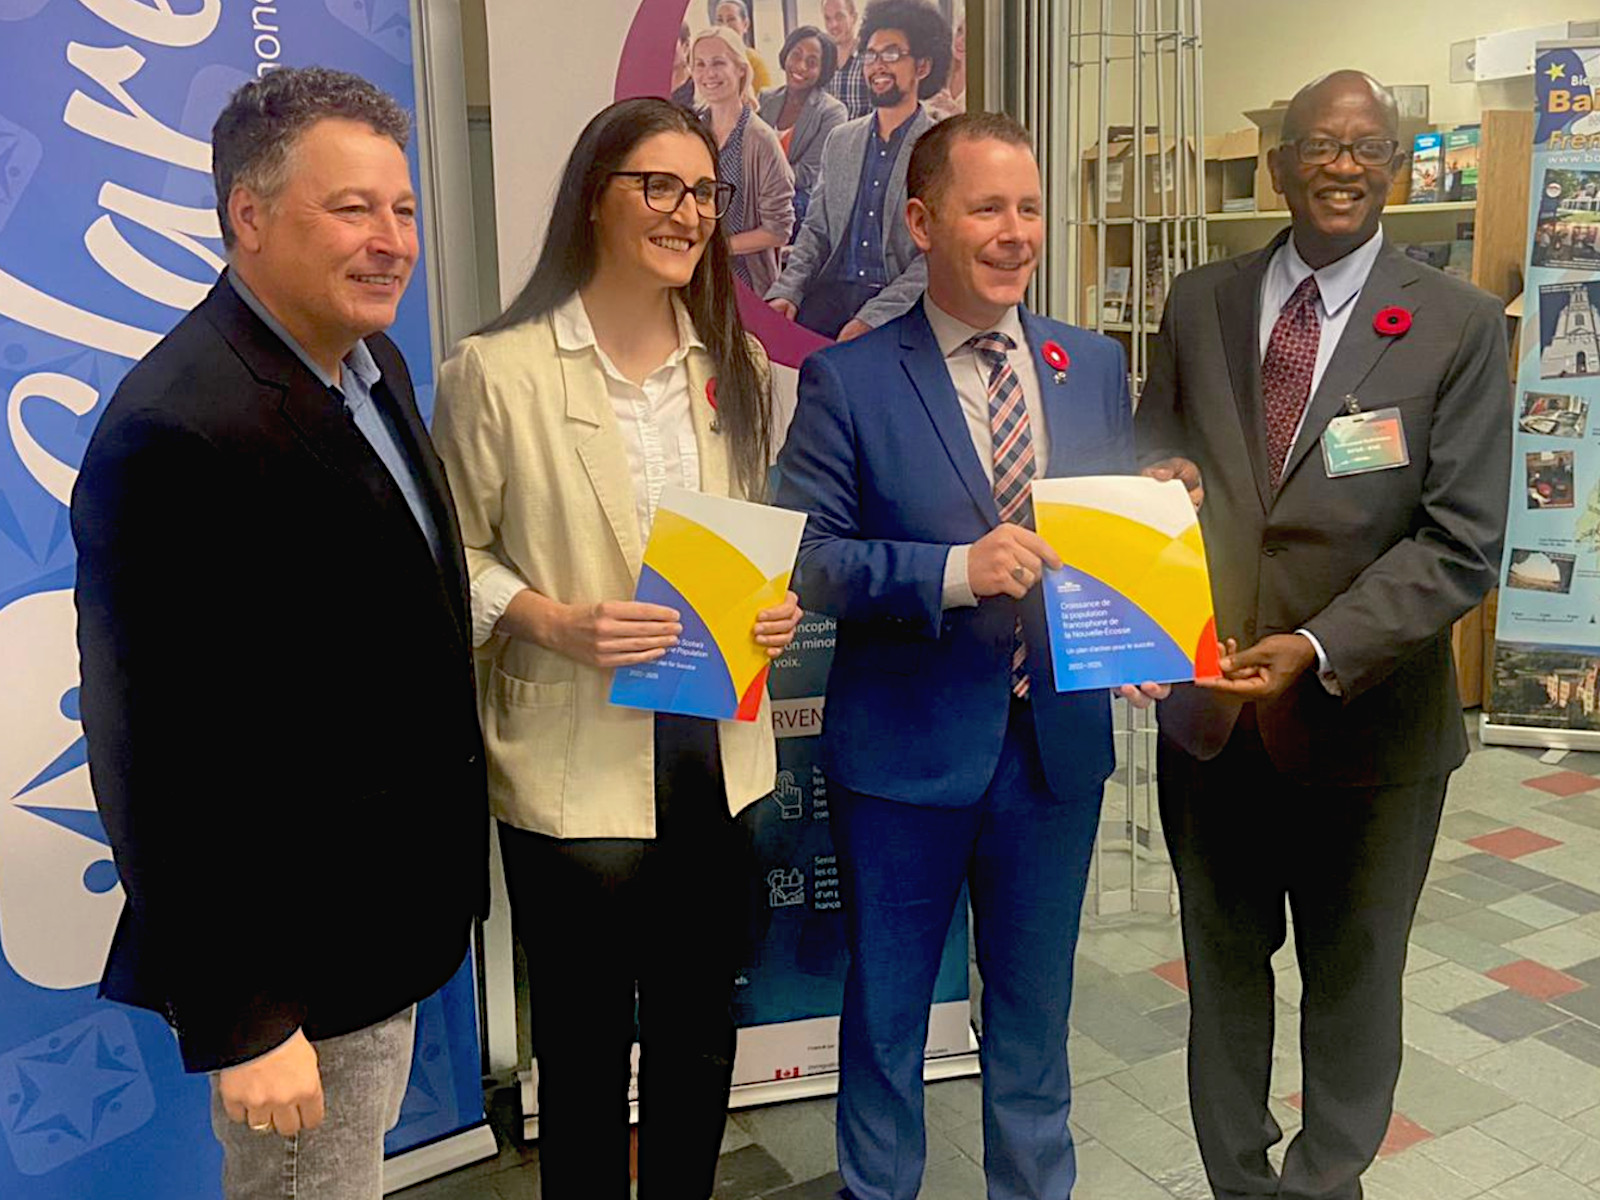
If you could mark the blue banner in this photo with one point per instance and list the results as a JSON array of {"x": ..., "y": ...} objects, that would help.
[{"x": 108, "y": 234}]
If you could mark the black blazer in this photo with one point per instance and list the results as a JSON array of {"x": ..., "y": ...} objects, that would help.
[
  {"x": 277, "y": 696},
  {"x": 1377, "y": 566}
]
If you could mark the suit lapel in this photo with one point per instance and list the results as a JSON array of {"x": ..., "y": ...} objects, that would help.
[
  {"x": 931, "y": 378},
  {"x": 1056, "y": 398},
  {"x": 1360, "y": 349},
  {"x": 601, "y": 451},
  {"x": 1239, "y": 318}
]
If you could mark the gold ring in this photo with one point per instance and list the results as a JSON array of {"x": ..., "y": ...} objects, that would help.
[
  {"x": 264, "y": 1127},
  {"x": 1020, "y": 574}
]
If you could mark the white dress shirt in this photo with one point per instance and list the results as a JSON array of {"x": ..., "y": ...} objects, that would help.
[
  {"x": 971, "y": 379},
  {"x": 653, "y": 418},
  {"x": 1340, "y": 283}
]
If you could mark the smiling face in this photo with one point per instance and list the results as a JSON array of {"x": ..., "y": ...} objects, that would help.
[
  {"x": 718, "y": 71},
  {"x": 803, "y": 67},
  {"x": 982, "y": 231},
  {"x": 890, "y": 84},
  {"x": 839, "y": 19},
  {"x": 658, "y": 250},
  {"x": 330, "y": 255},
  {"x": 1337, "y": 206},
  {"x": 732, "y": 15}
]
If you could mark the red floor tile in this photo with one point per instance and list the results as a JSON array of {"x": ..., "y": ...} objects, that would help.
[
  {"x": 1296, "y": 1101},
  {"x": 1174, "y": 973},
  {"x": 1535, "y": 979},
  {"x": 1513, "y": 842},
  {"x": 1403, "y": 1134},
  {"x": 1564, "y": 783}
]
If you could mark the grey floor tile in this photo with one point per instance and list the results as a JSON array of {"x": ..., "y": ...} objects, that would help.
[
  {"x": 798, "y": 1136},
  {"x": 1174, "y": 1019},
  {"x": 958, "y": 1179},
  {"x": 1476, "y": 1157},
  {"x": 520, "y": 1184},
  {"x": 1570, "y": 896},
  {"x": 1585, "y": 1004},
  {"x": 1475, "y": 887},
  {"x": 1577, "y": 1038},
  {"x": 1104, "y": 1173},
  {"x": 1441, "y": 1099},
  {"x": 1507, "y": 1016},
  {"x": 1146, "y": 992},
  {"x": 827, "y": 1187},
  {"x": 1158, "y": 1083},
  {"x": 749, "y": 1173},
  {"x": 1541, "y": 1183},
  {"x": 954, "y": 1102},
  {"x": 1130, "y": 1036},
  {"x": 1473, "y": 953},
  {"x": 1533, "y": 1133},
  {"x": 1514, "y": 875},
  {"x": 1419, "y": 1178},
  {"x": 1533, "y": 910},
  {"x": 1540, "y": 1075},
  {"x": 1493, "y": 926},
  {"x": 1464, "y": 823},
  {"x": 1580, "y": 810},
  {"x": 1438, "y": 905},
  {"x": 968, "y": 1139}
]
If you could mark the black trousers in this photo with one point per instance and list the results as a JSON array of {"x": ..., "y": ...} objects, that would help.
[
  {"x": 1350, "y": 863},
  {"x": 618, "y": 930}
]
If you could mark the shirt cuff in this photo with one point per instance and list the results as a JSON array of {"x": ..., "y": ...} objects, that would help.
[
  {"x": 492, "y": 590},
  {"x": 1325, "y": 675},
  {"x": 957, "y": 590}
]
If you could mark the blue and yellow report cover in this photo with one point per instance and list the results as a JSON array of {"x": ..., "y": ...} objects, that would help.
[
  {"x": 1132, "y": 600},
  {"x": 718, "y": 562}
]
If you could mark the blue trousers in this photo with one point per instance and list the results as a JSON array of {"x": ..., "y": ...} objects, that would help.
[{"x": 1024, "y": 852}]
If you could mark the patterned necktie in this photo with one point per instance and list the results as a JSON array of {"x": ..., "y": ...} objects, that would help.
[
  {"x": 1012, "y": 439},
  {"x": 1287, "y": 369}
]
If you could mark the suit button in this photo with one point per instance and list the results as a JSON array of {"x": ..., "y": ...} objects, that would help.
[{"x": 1250, "y": 627}]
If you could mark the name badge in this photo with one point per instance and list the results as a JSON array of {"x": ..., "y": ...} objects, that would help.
[{"x": 1359, "y": 442}]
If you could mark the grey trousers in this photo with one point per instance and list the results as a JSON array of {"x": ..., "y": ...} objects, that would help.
[{"x": 364, "y": 1078}]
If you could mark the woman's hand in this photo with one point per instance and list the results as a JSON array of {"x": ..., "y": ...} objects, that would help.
[
  {"x": 612, "y": 633},
  {"x": 775, "y": 626}
]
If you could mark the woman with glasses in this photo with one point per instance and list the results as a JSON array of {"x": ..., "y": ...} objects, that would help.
[
  {"x": 801, "y": 110},
  {"x": 749, "y": 156},
  {"x": 621, "y": 367}
]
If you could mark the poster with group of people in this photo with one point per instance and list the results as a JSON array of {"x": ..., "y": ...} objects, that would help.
[{"x": 1547, "y": 659}]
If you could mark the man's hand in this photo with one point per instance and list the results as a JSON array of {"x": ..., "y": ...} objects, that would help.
[
  {"x": 853, "y": 329},
  {"x": 783, "y": 307},
  {"x": 1145, "y": 694},
  {"x": 613, "y": 633},
  {"x": 1007, "y": 561},
  {"x": 775, "y": 626},
  {"x": 1265, "y": 670},
  {"x": 1181, "y": 469},
  {"x": 281, "y": 1090}
]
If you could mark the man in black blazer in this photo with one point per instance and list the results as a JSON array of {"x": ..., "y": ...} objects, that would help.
[
  {"x": 274, "y": 631},
  {"x": 1341, "y": 551}
]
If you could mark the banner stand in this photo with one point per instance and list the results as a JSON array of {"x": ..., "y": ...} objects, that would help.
[{"x": 1493, "y": 733}]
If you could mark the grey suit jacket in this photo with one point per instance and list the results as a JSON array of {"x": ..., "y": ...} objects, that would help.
[
  {"x": 1377, "y": 566},
  {"x": 818, "y": 117},
  {"x": 822, "y": 233}
]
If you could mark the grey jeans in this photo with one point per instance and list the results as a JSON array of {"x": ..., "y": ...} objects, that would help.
[{"x": 364, "y": 1078}]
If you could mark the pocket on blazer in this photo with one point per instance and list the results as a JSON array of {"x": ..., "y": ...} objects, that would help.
[{"x": 527, "y": 731}]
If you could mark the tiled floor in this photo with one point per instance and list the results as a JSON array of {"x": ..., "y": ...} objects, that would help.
[{"x": 1499, "y": 1098}]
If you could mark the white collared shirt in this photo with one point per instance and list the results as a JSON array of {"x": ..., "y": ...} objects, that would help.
[
  {"x": 1340, "y": 283},
  {"x": 971, "y": 379},
  {"x": 657, "y": 433}
]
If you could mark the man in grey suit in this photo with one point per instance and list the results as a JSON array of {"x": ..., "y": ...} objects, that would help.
[
  {"x": 1349, "y": 412},
  {"x": 853, "y": 265}
]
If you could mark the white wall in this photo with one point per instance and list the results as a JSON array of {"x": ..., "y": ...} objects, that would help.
[{"x": 1257, "y": 51}]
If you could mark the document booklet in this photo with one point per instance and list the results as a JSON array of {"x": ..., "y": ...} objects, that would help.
[
  {"x": 718, "y": 562},
  {"x": 1132, "y": 600}
]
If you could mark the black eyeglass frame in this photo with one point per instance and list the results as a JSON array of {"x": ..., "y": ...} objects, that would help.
[
  {"x": 1340, "y": 147},
  {"x": 719, "y": 190}
]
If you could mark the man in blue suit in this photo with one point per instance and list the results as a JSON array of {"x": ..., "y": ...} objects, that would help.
[{"x": 951, "y": 757}]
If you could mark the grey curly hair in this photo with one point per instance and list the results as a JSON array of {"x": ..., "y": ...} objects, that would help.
[{"x": 254, "y": 137}]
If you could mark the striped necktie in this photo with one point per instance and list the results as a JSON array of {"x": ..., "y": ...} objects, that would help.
[{"x": 1012, "y": 440}]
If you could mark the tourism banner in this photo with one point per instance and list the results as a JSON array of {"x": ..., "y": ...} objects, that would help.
[
  {"x": 1131, "y": 601},
  {"x": 1546, "y": 686},
  {"x": 108, "y": 235}
]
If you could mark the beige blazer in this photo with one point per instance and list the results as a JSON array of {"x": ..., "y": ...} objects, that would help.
[{"x": 541, "y": 482}]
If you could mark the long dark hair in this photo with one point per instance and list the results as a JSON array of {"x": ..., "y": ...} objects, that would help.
[{"x": 570, "y": 255}]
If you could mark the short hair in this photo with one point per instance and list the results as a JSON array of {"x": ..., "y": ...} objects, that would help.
[
  {"x": 730, "y": 39},
  {"x": 927, "y": 35},
  {"x": 744, "y": 9},
  {"x": 849, "y": 4},
  {"x": 830, "y": 52},
  {"x": 253, "y": 139},
  {"x": 929, "y": 169}
]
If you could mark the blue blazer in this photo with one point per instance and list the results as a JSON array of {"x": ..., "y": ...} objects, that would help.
[{"x": 880, "y": 459}]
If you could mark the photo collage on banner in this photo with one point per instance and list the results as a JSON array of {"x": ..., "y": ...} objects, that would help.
[
  {"x": 1547, "y": 652},
  {"x": 789, "y": 997},
  {"x": 108, "y": 235}
]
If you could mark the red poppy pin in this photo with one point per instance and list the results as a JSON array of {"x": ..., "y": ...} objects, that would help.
[
  {"x": 1392, "y": 321},
  {"x": 1057, "y": 358},
  {"x": 711, "y": 399}
]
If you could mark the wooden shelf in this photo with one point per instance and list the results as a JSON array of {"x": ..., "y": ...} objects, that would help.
[{"x": 1282, "y": 214}]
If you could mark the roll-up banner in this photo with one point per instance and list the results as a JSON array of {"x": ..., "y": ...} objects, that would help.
[
  {"x": 1546, "y": 688},
  {"x": 788, "y": 998},
  {"x": 108, "y": 235}
]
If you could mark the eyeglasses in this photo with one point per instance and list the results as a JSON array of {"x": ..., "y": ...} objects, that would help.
[
  {"x": 664, "y": 191},
  {"x": 1367, "y": 152},
  {"x": 888, "y": 56}
]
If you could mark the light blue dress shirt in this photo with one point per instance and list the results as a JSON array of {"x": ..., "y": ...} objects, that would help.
[{"x": 358, "y": 375}]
